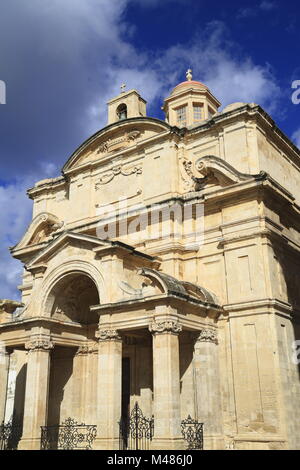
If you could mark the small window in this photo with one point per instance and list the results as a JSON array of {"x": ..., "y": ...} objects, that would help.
[
  {"x": 122, "y": 111},
  {"x": 198, "y": 112},
  {"x": 181, "y": 116}
]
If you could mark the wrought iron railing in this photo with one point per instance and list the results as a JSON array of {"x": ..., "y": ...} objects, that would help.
[
  {"x": 10, "y": 435},
  {"x": 192, "y": 432},
  {"x": 136, "y": 431},
  {"x": 69, "y": 435}
]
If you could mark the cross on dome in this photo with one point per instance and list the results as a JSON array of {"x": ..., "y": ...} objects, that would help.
[{"x": 189, "y": 75}]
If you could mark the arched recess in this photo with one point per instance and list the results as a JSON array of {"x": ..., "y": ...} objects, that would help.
[
  {"x": 70, "y": 290},
  {"x": 122, "y": 111}
]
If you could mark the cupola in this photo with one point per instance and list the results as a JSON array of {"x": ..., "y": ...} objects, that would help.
[{"x": 189, "y": 103}]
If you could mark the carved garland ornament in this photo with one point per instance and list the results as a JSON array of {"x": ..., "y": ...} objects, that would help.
[
  {"x": 168, "y": 326},
  {"x": 117, "y": 170},
  {"x": 39, "y": 344},
  {"x": 108, "y": 335},
  {"x": 208, "y": 335}
]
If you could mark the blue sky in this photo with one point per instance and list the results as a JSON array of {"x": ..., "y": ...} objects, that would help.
[{"x": 62, "y": 60}]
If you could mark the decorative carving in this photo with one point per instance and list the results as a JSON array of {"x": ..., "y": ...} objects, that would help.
[
  {"x": 87, "y": 348},
  {"x": 167, "y": 326},
  {"x": 117, "y": 170},
  {"x": 47, "y": 227},
  {"x": 39, "y": 344},
  {"x": 208, "y": 335},
  {"x": 119, "y": 142},
  {"x": 108, "y": 335},
  {"x": 214, "y": 171},
  {"x": 198, "y": 183}
]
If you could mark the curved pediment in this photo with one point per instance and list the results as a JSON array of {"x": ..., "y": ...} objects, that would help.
[
  {"x": 40, "y": 229},
  {"x": 214, "y": 171},
  {"x": 224, "y": 173},
  {"x": 171, "y": 285},
  {"x": 115, "y": 137}
]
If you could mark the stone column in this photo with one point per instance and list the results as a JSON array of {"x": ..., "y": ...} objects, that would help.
[
  {"x": 166, "y": 380},
  {"x": 36, "y": 393},
  {"x": 207, "y": 388},
  {"x": 109, "y": 389},
  {"x": 4, "y": 368}
]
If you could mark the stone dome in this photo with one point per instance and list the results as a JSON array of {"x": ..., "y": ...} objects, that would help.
[{"x": 188, "y": 84}]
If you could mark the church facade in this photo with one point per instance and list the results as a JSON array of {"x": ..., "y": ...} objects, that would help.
[{"x": 162, "y": 268}]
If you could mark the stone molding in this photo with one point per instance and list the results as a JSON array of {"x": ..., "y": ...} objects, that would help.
[
  {"x": 166, "y": 326},
  {"x": 39, "y": 344},
  {"x": 108, "y": 335},
  {"x": 207, "y": 335}
]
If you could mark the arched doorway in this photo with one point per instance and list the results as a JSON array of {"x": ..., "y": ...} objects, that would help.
[{"x": 69, "y": 302}]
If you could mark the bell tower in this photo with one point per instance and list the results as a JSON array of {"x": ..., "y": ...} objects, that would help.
[
  {"x": 127, "y": 104},
  {"x": 189, "y": 103}
]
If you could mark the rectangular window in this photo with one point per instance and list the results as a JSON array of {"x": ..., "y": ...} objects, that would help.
[
  {"x": 198, "y": 112},
  {"x": 181, "y": 116}
]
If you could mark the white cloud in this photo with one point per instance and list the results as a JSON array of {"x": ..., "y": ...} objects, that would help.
[
  {"x": 218, "y": 63},
  {"x": 252, "y": 11},
  {"x": 15, "y": 209},
  {"x": 267, "y": 5},
  {"x": 296, "y": 138},
  {"x": 16, "y": 214}
]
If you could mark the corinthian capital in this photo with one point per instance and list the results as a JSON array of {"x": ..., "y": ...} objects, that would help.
[
  {"x": 207, "y": 335},
  {"x": 39, "y": 344},
  {"x": 108, "y": 335},
  {"x": 167, "y": 326}
]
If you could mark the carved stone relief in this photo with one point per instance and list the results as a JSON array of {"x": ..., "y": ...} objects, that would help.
[{"x": 124, "y": 170}]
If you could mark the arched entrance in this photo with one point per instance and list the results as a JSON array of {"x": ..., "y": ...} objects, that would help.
[{"x": 70, "y": 379}]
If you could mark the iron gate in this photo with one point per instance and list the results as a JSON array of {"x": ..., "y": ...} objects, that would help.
[
  {"x": 10, "y": 435},
  {"x": 192, "y": 432},
  {"x": 69, "y": 435},
  {"x": 136, "y": 431}
]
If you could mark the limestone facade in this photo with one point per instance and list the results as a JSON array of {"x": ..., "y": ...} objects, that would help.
[{"x": 162, "y": 267}]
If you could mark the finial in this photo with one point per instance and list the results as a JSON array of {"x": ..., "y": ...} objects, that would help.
[
  {"x": 189, "y": 75},
  {"x": 123, "y": 86}
]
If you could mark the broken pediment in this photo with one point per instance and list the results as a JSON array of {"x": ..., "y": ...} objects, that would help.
[
  {"x": 114, "y": 138},
  {"x": 214, "y": 172},
  {"x": 40, "y": 230}
]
